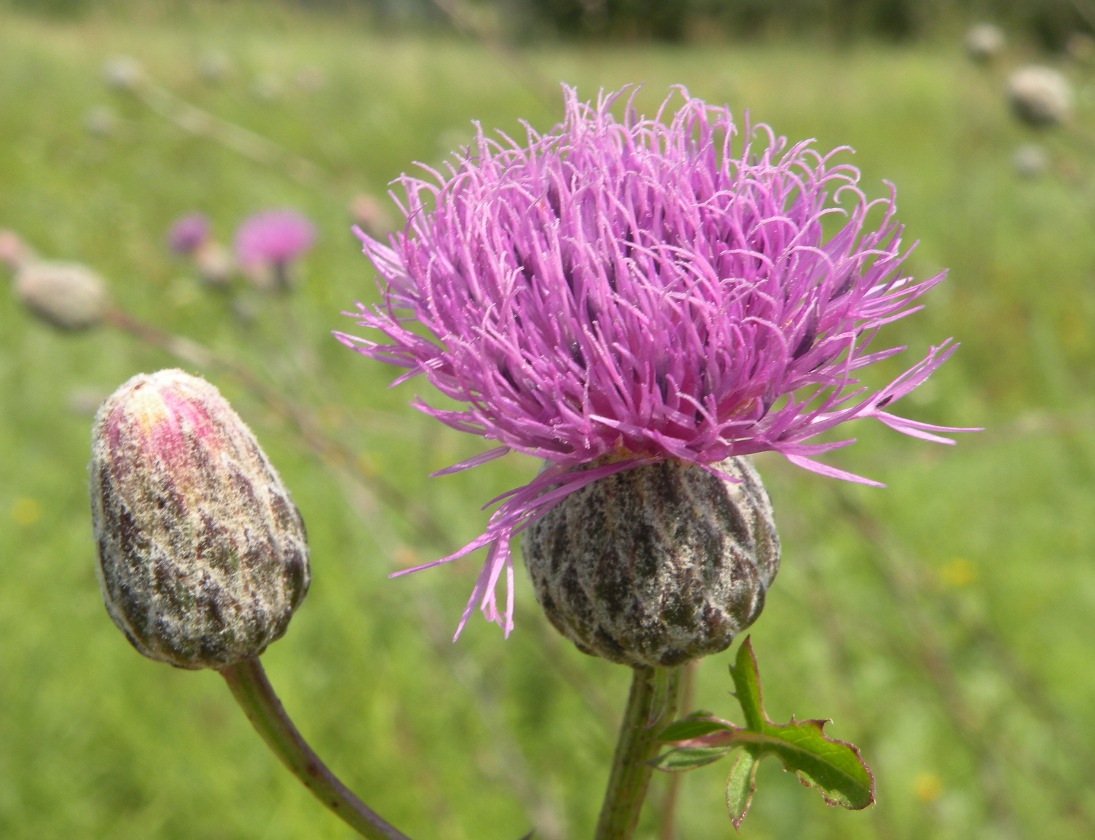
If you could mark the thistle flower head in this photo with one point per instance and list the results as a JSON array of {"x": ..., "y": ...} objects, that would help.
[
  {"x": 665, "y": 288},
  {"x": 273, "y": 237},
  {"x": 188, "y": 233}
]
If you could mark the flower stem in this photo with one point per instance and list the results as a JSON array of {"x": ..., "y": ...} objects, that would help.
[
  {"x": 669, "y": 803},
  {"x": 256, "y": 697},
  {"x": 650, "y": 707}
]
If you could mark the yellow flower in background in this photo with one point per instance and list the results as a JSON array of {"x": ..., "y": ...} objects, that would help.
[
  {"x": 958, "y": 573},
  {"x": 927, "y": 787},
  {"x": 26, "y": 511}
]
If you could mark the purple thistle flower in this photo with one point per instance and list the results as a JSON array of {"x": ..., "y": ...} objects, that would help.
[
  {"x": 188, "y": 233},
  {"x": 273, "y": 238},
  {"x": 644, "y": 289}
]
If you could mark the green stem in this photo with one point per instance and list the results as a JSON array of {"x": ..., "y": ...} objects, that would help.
[
  {"x": 650, "y": 707},
  {"x": 256, "y": 697},
  {"x": 669, "y": 803}
]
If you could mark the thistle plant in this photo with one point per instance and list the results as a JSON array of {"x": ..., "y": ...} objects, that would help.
[{"x": 643, "y": 303}]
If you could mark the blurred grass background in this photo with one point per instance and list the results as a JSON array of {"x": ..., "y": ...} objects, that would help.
[{"x": 943, "y": 622}]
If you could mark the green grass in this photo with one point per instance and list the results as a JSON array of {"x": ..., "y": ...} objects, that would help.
[{"x": 942, "y": 622}]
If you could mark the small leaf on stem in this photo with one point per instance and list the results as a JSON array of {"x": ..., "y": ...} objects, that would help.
[
  {"x": 741, "y": 784},
  {"x": 834, "y": 768}
]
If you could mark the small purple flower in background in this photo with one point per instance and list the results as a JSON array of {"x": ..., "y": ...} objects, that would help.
[
  {"x": 192, "y": 236},
  {"x": 641, "y": 290},
  {"x": 267, "y": 242},
  {"x": 188, "y": 233}
]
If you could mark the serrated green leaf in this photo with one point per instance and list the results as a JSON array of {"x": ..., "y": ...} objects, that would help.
[
  {"x": 741, "y": 784},
  {"x": 680, "y": 759},
  {"x": 833, "y": 767}
]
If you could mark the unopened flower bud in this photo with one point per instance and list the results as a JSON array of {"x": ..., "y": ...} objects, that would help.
[
  {"x": 369, "y": 215},
  {"x": 657, "y": 565},
  {"x": 202, "y": 554},
  {"x": 215, "y": 265},
  {"x": 68, "y": 296},
  {"x": 984, "y": 41},
  {"x": 1040, "y": 96},
  {"x": 122, "y": 72}
]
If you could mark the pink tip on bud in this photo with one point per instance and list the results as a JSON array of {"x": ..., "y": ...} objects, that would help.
[{"x": 14, "y": 252}]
